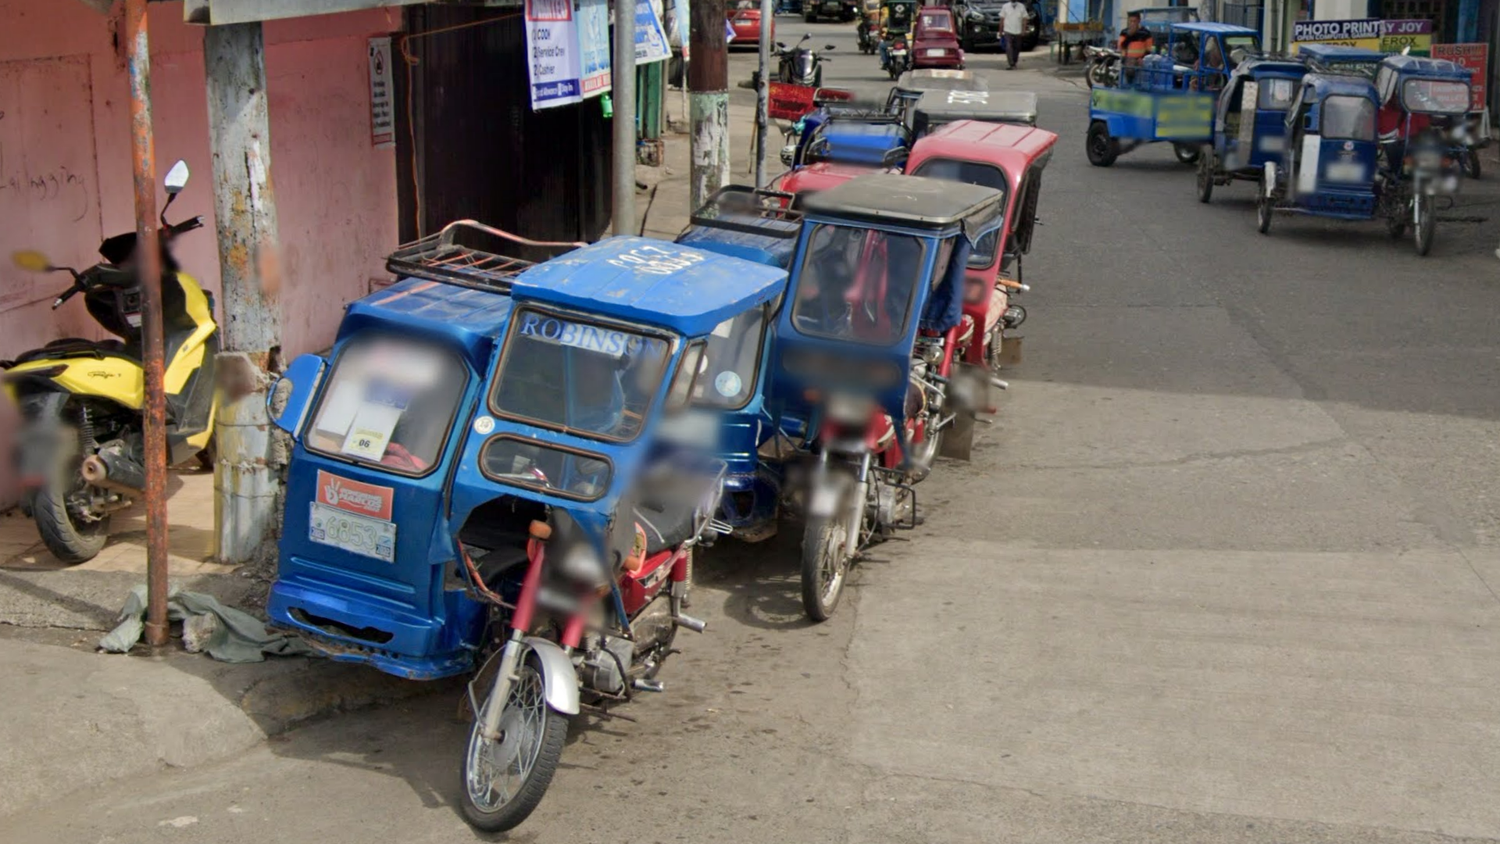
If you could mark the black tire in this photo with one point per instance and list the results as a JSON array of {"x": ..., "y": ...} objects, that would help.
[
  {"x": 820, "y": 536},
  {"x": 1471, "y": 164},
  {"x": 554, "y": 734},
  {"x": 1426, "y": 227},
  {"x": 1395, "y": 224},
  {"x": 1263, "y": 210},
  {"x": 1206, "y": 178},
  {"x": 895, "y": 71},
  {"x": 68, "y": 539},
  {"x": 1096, "y": 75},
  {"x": 1102, "y": 150},
  {"x": 1186, "y": 153}
]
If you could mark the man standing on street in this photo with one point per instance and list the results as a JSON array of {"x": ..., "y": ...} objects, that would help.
[{"x": 1013, "y": 24}]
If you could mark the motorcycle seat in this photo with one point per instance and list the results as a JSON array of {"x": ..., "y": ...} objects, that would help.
[{"x": 75, "y": 347}]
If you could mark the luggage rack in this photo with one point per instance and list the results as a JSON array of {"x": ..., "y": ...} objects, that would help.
[
  {"x": 750, "y": 210},
  {"x": 445, "y": 258}
]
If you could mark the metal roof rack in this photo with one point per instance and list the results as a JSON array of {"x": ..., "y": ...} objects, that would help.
[{"x": 449, "y": 258}]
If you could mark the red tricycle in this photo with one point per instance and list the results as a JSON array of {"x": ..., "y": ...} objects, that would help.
[{"x": 935, "y": 40}]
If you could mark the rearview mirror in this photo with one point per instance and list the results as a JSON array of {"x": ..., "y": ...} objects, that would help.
[
  {"x": 31, "y": 260},
  {"x": 177, "y": 178},
  {"x": 828, "y": 46},
  {"x": 781, "y": 44},
  {"x": 288, "y": 399}
]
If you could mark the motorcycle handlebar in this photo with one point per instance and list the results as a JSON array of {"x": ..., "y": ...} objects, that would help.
[{"x": 68, "y": 294}]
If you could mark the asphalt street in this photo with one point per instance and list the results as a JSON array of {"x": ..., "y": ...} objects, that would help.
[{"x": 1224, "y": 569}]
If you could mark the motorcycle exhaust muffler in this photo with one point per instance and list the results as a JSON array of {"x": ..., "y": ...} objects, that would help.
[
  {"x": 697, "y": 625},
  {"x": 111, "y": 468}
]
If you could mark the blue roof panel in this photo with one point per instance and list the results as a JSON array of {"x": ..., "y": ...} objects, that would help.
[
  {"x": 656, "y": 282},
  {"x": 467, "y": 317},
  {"x": 1215, "y": 28}
]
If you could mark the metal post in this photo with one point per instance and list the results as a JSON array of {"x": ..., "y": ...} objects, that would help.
[
  {"x": 247, "y": 484},
  {"x": 148, "y": 265},
  {"x": 708, "y": 83},
  {"x": 763, "y": 95},
  {"x": 622, "y": 81}
]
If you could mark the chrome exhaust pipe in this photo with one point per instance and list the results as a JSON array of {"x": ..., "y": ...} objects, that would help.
[{"x": 697, "y": 625}]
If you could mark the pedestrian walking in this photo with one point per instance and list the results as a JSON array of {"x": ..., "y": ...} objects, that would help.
[{"x": 1013, "y": 24}]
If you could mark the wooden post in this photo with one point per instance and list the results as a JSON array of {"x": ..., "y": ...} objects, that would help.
[{"x": 246, "y": 477}]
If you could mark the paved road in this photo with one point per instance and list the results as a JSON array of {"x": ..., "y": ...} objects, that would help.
[{"x": 1224, "y": 570}]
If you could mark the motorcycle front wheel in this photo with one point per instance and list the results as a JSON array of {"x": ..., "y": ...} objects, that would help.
[
  {"x": 825, "y": 564},
  {"x": 1425, "y": 227},
  {"x": 503, "y": 780}
]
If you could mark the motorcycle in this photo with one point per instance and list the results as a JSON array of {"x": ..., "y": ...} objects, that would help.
[
  {"x": 1104, "y": 66},
  {"x": 798, "y": 65},
  {"x": 503, "y": 488},
  {"x": 82, "y": 444},
  {"x": 1473, "y": 134},
  {"x": 897, "y": 55}
]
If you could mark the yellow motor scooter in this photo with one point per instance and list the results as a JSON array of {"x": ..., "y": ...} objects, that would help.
[{"x": 82, "y": 454}]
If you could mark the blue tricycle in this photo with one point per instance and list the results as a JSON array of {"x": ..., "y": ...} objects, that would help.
[
  {"x": 1170, "y": 96},
  {"x": 1249, "y": 122},
  {"x": 481, "y": 479}
]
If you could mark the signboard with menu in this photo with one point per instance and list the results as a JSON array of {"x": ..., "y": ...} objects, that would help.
[{"x": 1474, "y": 57}]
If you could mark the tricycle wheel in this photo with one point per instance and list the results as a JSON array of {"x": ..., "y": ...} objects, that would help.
[
  {"x": 1395, "y": 223},
  {"x": 504, "y": 780},
  {"x": 825, "y": 564},
  {"x": 1263, "y": 208},
  {"x": 1186, "y": 153},
  {"x": 895, "y": 71},
  {"x": 1425, "y": 226},
  {"x": 1102, "y": 149},
  {"x": 1206, "y": 177},
  {"x": 1471, "y": 163}
]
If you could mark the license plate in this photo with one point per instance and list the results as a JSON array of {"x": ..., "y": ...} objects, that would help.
[
  {"x": 824, "y": 500},
  {"x": 1272, "y": 144},
  {"x": 1345, "y": 171},
  {"x": 352, "y": 532},
  {"x": 931, "y": 53}
]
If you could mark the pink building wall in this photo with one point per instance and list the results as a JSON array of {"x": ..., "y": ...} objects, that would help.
[{"x": 65, "y": 173}]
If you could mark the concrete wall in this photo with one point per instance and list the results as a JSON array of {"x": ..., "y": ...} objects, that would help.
[{"x": 65, "y": 175}]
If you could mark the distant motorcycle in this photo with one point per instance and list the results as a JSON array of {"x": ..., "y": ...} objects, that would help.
[
  {"x": 1104, "y": 66},
  {"x": 897, "y": 55},
  {"x": 799, "y": 65}
]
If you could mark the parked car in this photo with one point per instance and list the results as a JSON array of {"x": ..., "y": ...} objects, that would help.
[
  {"x": 744, "y": 19},
  {"x": 979, "y": 23},
  {"x": 844, "y": 10}
]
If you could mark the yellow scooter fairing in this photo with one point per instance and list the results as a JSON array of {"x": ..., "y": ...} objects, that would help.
[{"x": 117, "y": 379}]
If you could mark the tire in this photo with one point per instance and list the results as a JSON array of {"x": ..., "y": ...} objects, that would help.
[
  {"x": 549, "y": 741},
  {"x": 820, "y": 537},
  {"x": 1186, "y": 153},
  {"x": 67, "y": 539},
  {"x": 1395, "y": 226},
  {"x": 1206, "y": 178},
  {"x": 1263, "y": 207},
  {"x": 1102, "y": 150},
  {"x": 1471, "y": 164},
  {"x": 1097, "y": 76},
  {"x": 895, "y": 72},
  {"x": 1425, "y": 228}
]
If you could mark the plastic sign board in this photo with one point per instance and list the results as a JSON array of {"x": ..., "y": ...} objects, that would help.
[
  {"x": 650, "y": 38},
  {"x": 1413, "y": 36},
  {"x": 1365, "y": 32},
  {"x": 593, "y": 47},
  {"x": 552, "y": 53},
  {"x": 1474, "y": 58},
  {"x": 382, "y": 115}
]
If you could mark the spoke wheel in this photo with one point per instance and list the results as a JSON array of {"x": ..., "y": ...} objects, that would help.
[
  {"x": 825, "y": 564},
  {"x": 1206, "y": 178},
  {"x": 504, "y": 779},
  {"x": 1426, "y": 223},
  {"x": 1263, "y": 207}
]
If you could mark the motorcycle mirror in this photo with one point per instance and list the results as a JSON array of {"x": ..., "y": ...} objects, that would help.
[
  {"x": 31, "y": 261},
  {"x": 781, "y": 45},
  {"x": 828, "y": 46},
  {"x": 177, "y": 178}
]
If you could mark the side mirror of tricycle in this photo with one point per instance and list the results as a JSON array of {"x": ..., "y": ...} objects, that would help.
[
  {"x": 290, "y": 397},
  {"x": 781, "y": 44},
  {"x": 31, "y": 261}
]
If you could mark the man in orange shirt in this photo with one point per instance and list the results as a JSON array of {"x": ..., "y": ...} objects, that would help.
[{"x": 1135, "y": 43}]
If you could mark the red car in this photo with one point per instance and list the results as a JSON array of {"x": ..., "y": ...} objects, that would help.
[
  {"x": 934, "y": 40},
  {"x": 744, "y": 19}
]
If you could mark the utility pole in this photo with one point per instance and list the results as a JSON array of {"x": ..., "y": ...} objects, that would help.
[
  {"x": 148, "y": 265},
  {"x": 763, "y": 95},
  {"x": 247, "y": 482},
  {"x": 622, "y": 83},
  {"x": 708, "y": 89}
]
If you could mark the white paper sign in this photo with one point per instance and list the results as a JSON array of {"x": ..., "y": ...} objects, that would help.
[
  {"x": 382, "y": 114},
  {"x": 552, "y": 53},
  {"x": 593, "y": 45},
  {"x": 650, "y": 39}
]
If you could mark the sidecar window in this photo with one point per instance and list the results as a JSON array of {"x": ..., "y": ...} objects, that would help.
[
  {"x": 732, "y": 362},
  {"x": 389, "y": 402},
  {"x": 589, "y": 379},
  {"x": 857, "y": 284}
]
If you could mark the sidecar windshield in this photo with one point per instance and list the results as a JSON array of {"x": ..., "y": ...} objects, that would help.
[
  {"x": 565, "y": 373},
  {"x": 858, "y": 284}
]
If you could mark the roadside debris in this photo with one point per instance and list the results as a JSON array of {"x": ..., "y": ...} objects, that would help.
[{"x": 224, "y": 633}]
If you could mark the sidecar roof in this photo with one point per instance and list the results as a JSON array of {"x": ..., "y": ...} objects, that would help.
[
  {"x": 469, "y": 318},
  {"x": 655, "y": 282},
  {"x": 910, "y": 201}
]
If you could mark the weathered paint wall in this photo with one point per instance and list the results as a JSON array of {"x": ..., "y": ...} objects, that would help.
[{"x": 65, "y": 159}]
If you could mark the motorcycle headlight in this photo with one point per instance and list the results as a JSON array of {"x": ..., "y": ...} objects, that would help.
[{"x": 580, "y": 563}]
